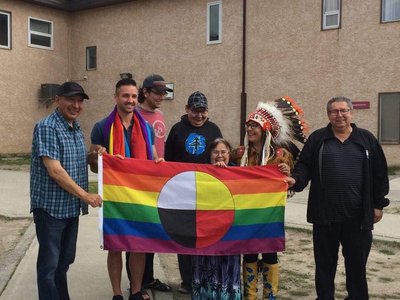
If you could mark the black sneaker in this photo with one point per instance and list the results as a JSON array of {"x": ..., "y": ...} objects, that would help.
[
  {"x": 158, "y": 285},
  {"x": 117, "y": 297}
]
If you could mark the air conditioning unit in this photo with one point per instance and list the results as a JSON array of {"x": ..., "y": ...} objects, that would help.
[{"x": 48, "y": 93}]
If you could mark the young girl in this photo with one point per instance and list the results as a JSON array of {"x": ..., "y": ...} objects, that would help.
[{"x": 217, "y": 276}]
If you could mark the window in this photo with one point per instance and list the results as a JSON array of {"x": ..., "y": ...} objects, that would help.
[
  {"x": 40, "y": 33},
  {"x": 5, "y": 30},
  {"x": 390, "y": 10},
  {"x": 389, "y": 118},
  {"x": 91, "y": 58},
  {"x": 214, "y": 22},
  {"x": 331, "y": 14}
]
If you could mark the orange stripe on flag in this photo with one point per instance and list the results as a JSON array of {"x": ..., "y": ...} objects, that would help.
[{"x": 134, "y": 181}]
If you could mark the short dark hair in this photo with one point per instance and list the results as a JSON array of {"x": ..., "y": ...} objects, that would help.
[
  {"x": 217, "y": 141},
  {"x": 339, "y": 99},
  {"x": 124, "y": 81},
  {"x": 141, "y": 96}
]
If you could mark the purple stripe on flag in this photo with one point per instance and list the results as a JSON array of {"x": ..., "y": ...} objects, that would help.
[{"x": 136, "y": 244}]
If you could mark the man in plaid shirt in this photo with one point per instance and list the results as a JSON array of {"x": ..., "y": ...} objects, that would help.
[{"x": 59, "y": 182}]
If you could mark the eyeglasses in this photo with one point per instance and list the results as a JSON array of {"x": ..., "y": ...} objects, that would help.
[
  {"x": 335, "y": 112},
  {"x": 159, "y": 93},
  {"x": 222, "y": 152},
  {"x": 252, "y": 125}
]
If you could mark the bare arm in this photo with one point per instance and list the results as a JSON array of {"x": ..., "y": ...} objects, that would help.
[
  {"x": 155, "y": 155},
  {"x": 59, "y": 175}
]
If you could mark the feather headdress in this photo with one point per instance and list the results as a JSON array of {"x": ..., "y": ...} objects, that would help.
[{"x": 282, "y": 121}]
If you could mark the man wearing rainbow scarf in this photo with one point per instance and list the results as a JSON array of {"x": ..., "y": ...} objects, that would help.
[{"x": 124, "y": 133}]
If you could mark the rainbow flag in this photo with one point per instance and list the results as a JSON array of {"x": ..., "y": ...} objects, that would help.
[{"x": 191, "y": 208}]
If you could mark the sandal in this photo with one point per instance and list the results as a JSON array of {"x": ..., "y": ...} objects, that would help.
[
  {"x": 158, "y": 285},
  {"x": 141, "y": 295}
]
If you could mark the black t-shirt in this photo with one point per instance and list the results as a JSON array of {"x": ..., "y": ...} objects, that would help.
[{"x": 186, "y": 143}]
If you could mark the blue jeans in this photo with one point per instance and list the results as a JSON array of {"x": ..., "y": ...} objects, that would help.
[{"x": 57, "y": 248}]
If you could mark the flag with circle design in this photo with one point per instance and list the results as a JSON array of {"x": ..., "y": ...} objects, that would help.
[{"x": 191, "y": 208}]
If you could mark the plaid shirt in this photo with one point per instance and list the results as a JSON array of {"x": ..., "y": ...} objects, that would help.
[{"x": 53, "y": 137}]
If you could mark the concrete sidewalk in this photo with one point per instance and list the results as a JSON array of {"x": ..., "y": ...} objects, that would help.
[{"x": 88, "y": 278}]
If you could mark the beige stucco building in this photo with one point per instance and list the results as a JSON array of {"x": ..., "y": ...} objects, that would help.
[{"x": 286, "y": 52}]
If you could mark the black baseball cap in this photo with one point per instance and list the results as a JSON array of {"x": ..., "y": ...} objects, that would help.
[
  {"x": 70, "y": 88},
  {"x": 156, "y": 82},
  {"x": 197, "y": 100}
]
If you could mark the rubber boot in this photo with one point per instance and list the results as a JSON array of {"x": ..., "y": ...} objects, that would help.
[
  {"x": 250, "y": 280},
  {"x": 270, "y": 275}
]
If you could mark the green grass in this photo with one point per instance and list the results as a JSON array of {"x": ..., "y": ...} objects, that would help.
[
  {"x": 393, "y": 170},
  {"x": 15, "y": 160}
]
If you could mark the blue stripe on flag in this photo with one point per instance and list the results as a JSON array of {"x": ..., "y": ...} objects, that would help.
[
  {"x": 255, "y": 231},
  {"x": 139, "y": 229}
]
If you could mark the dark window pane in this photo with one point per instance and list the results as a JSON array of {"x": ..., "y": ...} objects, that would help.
[
  {"x": 214, "y": 23},
  {"x": 91, "y": 58},
  {"x": 40, "y": 26},
  {"x": 40, "y": 40},
  {"x": 390, "y": 118},
  {"x": 4, "y": 41}
]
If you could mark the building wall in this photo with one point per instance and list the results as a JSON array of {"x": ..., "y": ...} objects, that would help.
[
  {"x": 167, "y": 37},
  {"x": 23, "y": 70},
  {"x": 287, "y": 54}
]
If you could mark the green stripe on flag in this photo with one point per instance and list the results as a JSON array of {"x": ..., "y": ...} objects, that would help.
[
  {"x": 130, "y": 212},
  {"x": 259, "y": 216}
]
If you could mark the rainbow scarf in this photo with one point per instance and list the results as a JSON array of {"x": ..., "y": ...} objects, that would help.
[{"x": 139, "y": 145}]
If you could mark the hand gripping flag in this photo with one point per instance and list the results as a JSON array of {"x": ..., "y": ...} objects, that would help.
[{"x": 191, "y": 208}]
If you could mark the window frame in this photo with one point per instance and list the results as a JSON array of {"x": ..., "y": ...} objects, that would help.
[
  {"x": 30, "y": 32},
  {"x": 8, "y": 14},
  {"x": 390, "y": 21},
  {"x": 209, "y": 5},
  {"x": 386, "y": 142},
  {"x": 330, "y": 13},
  {"x": 88, "y": 56}
]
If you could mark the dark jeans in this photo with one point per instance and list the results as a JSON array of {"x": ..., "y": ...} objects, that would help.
[
  {"x": 148, "y": 275},
  {"x": 356, "y": 245},
  {"x": 185, "y": 269},
  {"x": 57, "y": 248}
]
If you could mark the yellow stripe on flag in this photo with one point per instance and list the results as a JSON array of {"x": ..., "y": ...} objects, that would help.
[
  {"x": 263, "y": 200},
  {"x": 126, "y": 195},
  {"x": 111, "y": 140}
]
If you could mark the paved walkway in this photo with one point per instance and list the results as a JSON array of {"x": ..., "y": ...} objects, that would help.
[{"x": 88, "y": 277}]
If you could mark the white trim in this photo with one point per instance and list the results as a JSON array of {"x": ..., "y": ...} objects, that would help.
[
  {"x": 331, "y": 13},
  {"x": 219, "y": 3},
  {"x": 40, "y": 33},
  {"x": 8, "y": 29},
  {"x": 100, "y": 192},
  {"x": 326, "y": 13}
]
